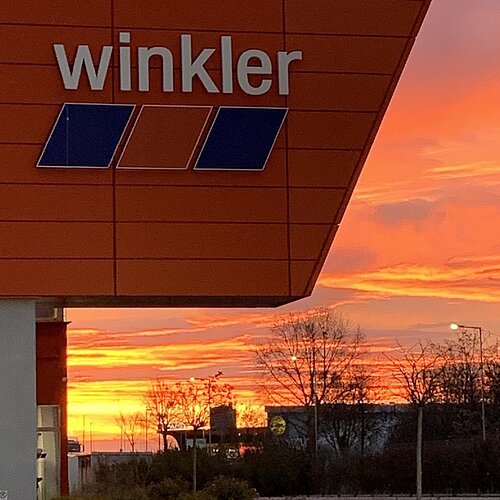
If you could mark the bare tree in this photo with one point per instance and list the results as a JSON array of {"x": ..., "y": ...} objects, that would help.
[
  {"x": 470, "y": 381},
  {"x": 251, "y": 414},
  {"x": 492, "y": 379},
  {"x": 418, "y": 371},
  {"x": 195, "y": 398},
  {"x": 218, "y": 394},
  {"x": 345, "y": 420},
  {"x": 193, "y": 402},
  {"x": 461, "y": 373},
  {"x": 130, "y": 425},
  {"x": 307, "y": 359},
  {"x": 163, "y": 403}
]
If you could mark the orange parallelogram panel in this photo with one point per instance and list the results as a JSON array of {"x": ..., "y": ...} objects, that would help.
[
  {"x": 196, "y": 156},
  {"x": 164, "y": 137}
]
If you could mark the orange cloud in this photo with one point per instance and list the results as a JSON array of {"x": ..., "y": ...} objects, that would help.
[{"x": 477, "y": 280}]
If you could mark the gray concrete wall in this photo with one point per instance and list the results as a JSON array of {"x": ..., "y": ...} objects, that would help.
[{"x": 17, "y": 400}]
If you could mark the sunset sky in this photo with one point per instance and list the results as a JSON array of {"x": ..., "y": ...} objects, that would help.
[{"x": 419, "y": 245}]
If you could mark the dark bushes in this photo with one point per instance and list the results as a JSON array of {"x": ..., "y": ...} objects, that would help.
[{"x": 275, "y": 469}]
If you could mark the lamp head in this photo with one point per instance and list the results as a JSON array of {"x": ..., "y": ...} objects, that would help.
[{"x": 454, "y": 326}]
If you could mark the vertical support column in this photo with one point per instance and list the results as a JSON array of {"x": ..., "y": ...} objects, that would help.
[
  {"x": 51, "y": 389},
  {"x": 17, "y": 399}
]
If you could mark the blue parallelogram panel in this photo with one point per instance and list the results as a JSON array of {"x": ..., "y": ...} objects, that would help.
[
  {"x": 241, "y": 138},
  {"x": 86, "y": 135}
]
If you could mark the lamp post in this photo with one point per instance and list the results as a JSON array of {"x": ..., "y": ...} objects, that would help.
[
  {"x": 314, "y": 401},
  {"x": 91, "y": 441},
  {"x": 456, "y": 326},
  {"x": 146, "y": 423},
  {"x": 83, "y": 438},
  {"x": 210, "y": 381}
]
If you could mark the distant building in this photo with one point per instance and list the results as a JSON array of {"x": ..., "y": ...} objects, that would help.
[
  {"x": 366, "y": 429},
  {"x": 82, "y": 466},
  {"x": 223, "y": 419}
]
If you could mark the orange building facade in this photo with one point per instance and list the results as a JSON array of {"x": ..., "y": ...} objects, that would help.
[{"x": 149, "y": 226}]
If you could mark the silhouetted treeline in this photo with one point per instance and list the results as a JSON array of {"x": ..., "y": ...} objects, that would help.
[
  {"x": 276, "y": 469},
  {"x": 451, "y": 467},
  {"x": 446, "y": 422}
]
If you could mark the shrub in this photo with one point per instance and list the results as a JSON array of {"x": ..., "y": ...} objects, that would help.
[
  {"x": 179, "y": 464},
  {"x": 122, "y": 480},
  {"x": 168, "y": 489},
  {"x": 229, "y": 488},
  {"x": 279, "y": 469}
]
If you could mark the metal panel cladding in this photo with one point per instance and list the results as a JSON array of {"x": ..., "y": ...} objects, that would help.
[{"x": 186, "y": 153}]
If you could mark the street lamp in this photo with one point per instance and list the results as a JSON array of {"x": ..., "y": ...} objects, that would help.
[
  {"x": 314, "y": 398},
  {"x": 146, "y": 423},
  {"x": 210, "y": 383},
  {"x": 456, "y": 326},
  {"x": 83, "y": 438},
  {"x": 91, "y": 442}
]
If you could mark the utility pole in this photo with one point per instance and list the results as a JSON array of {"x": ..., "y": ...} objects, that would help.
[
  {"x": 83, "y": 437},
  {"x": 91, "y": 442},
  {"x": 456, "y": 326},
  {"x": 314, "y": 397},
  {"x": 419, "y": 451},
  {"x": 481, "y": 365},
  {"x": 146, "y": 430}
]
